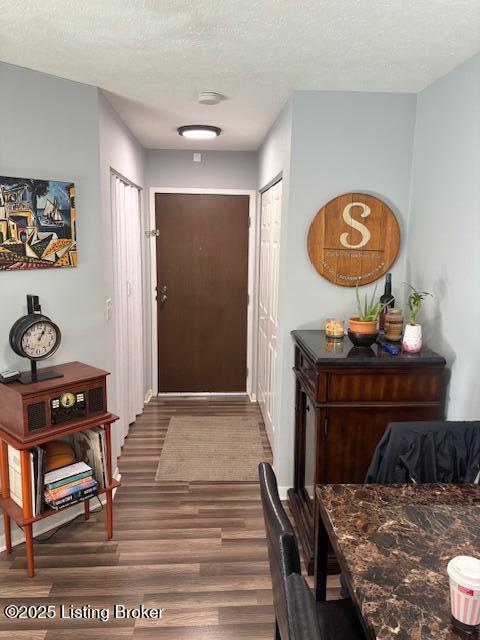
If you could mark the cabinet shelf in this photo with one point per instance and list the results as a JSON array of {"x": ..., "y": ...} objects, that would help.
[{"x": 16, "y": 513}]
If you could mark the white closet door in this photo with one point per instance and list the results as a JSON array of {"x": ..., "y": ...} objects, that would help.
[
  {"x": 271, "y": 212},
  {"x": 127, "y": 374}
]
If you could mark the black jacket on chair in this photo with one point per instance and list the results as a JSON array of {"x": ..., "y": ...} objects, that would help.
[{"x": 426, "y": 452}]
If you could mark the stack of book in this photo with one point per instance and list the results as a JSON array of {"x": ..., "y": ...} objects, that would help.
[
  {"x": 37, "y": 469},
  {"x": 70, "y": 484}
]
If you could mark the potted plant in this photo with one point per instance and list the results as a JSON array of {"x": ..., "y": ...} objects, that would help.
[
  {"x": 412, "y": 338},
  {"x": 363, "y": 328}
]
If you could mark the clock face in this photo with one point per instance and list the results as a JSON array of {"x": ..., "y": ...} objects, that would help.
[
  {"x": 40, "y": 340},
  {"x": 67, "y": 400}
]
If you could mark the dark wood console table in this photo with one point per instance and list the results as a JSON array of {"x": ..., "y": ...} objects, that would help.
[{"x": 345, "y": 398}]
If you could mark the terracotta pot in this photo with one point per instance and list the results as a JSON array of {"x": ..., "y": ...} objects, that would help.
[
  {"x": 361, "y": 326},
  {"x": 412, "y": 338}
]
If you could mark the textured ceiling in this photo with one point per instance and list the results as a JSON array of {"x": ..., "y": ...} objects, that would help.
[{"x": 154, "y": 56}]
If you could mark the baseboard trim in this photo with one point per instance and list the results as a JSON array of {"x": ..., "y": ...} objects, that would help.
[
  {"x": 205, "y": 394},
  {"x": 282, "y": 492},
  {"x": 44, "y": 526}
]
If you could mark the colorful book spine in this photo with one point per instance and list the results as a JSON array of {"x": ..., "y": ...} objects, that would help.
[
  {"x": 79, "y": 496},
  {"x": 61, "y": 483},
  {"x": 75, "y": 483},
  {"x": 61, "y": 492}
]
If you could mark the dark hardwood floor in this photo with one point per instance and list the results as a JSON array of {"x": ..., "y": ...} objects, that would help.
[{"x": 195, "y": 549}]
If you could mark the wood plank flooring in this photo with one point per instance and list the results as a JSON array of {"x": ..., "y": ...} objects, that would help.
[{"x": 197, "y": 550}]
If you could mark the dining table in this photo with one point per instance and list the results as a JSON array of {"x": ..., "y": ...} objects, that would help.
[{"x": 393, "y": 544}]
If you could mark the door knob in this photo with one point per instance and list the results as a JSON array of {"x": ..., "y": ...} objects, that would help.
[{"x": 163, "y": 294}]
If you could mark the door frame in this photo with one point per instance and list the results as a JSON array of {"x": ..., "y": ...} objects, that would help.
[{"x": 252, "y": 278}]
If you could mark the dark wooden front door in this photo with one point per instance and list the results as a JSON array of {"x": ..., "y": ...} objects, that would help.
[{"x": 202, "y": 292}]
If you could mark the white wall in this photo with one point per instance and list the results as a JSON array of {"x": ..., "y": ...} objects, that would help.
[
  {"x": 120, "y": 151},
  {"x": 49, "y": 129},
  {"x": 443, "y": 254},
  {"x": 274, "y": 152},
  {"x": 340, "y": 142}
]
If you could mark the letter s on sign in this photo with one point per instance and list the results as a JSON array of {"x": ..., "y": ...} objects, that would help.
[{"x": 356, "y": 225}]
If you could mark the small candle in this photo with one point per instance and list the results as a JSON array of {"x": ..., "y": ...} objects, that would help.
[{"x": 334, "y": 328}]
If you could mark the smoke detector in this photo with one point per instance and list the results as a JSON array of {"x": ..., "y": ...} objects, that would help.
[{"x": 210, "y": 97}]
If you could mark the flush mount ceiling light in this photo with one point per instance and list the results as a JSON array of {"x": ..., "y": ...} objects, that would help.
[{"x": 199, "y": 131}]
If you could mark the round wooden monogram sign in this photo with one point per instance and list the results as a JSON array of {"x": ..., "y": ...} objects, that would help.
[{"x": 353, "y": 239}]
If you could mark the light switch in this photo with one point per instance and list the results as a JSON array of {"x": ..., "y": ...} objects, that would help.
[
  {"x": 108, "y": 309},
  {"x": 197, "y": 157}
]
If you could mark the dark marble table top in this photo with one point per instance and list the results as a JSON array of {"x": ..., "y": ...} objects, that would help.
[
  {"x": 342, "y": 352},
  {"x": 393, "y": 543}
]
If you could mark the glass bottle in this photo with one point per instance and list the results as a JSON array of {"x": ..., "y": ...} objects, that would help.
[{"x": 386, "y": 299}]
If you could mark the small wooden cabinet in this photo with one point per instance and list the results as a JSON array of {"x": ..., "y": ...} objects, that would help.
[
  {"x": 32, "y": 415},
  {"x": 345, "y": 398}
]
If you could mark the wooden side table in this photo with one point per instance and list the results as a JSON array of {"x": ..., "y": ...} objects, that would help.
[
  {"x": 345, "y": 399},
  {"x": 23, "y": 516}
]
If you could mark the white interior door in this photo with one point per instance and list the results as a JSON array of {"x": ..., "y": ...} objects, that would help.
[
  {"x": 127, "y": 375},
  {"x": 271, "y": 213}
]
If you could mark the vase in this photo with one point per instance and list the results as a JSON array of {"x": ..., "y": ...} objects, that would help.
[
  {"x": 394, "y": 325},
  {"x": 412, "y": 338},
  {"x": 363, "y": 326}
]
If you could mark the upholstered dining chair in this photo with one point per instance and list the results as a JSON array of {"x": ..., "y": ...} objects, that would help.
[
  {"x": 337, "y": 619},
  {"x": 301, "y": 610}
]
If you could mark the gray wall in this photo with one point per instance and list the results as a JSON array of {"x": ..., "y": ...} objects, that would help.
[
  {"x": 218, "y": 169},
  {"x": 56, "y": 129},
  {"x": 340, "y": 142},
  {"x": 324, "y": 143},
  {"x": 68, "y": 132},
  {"x": 444, "y": 229},
  {"x": 49, "y": 129}
]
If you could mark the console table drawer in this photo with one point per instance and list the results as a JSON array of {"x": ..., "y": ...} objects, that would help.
[
  {"x": 390, "y": 386},
  {"x": 307, "y": 369},
  {"x": 313, "y": 379}
]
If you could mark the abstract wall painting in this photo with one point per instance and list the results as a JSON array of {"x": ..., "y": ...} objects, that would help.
[{"x": 37, "y": 224}]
